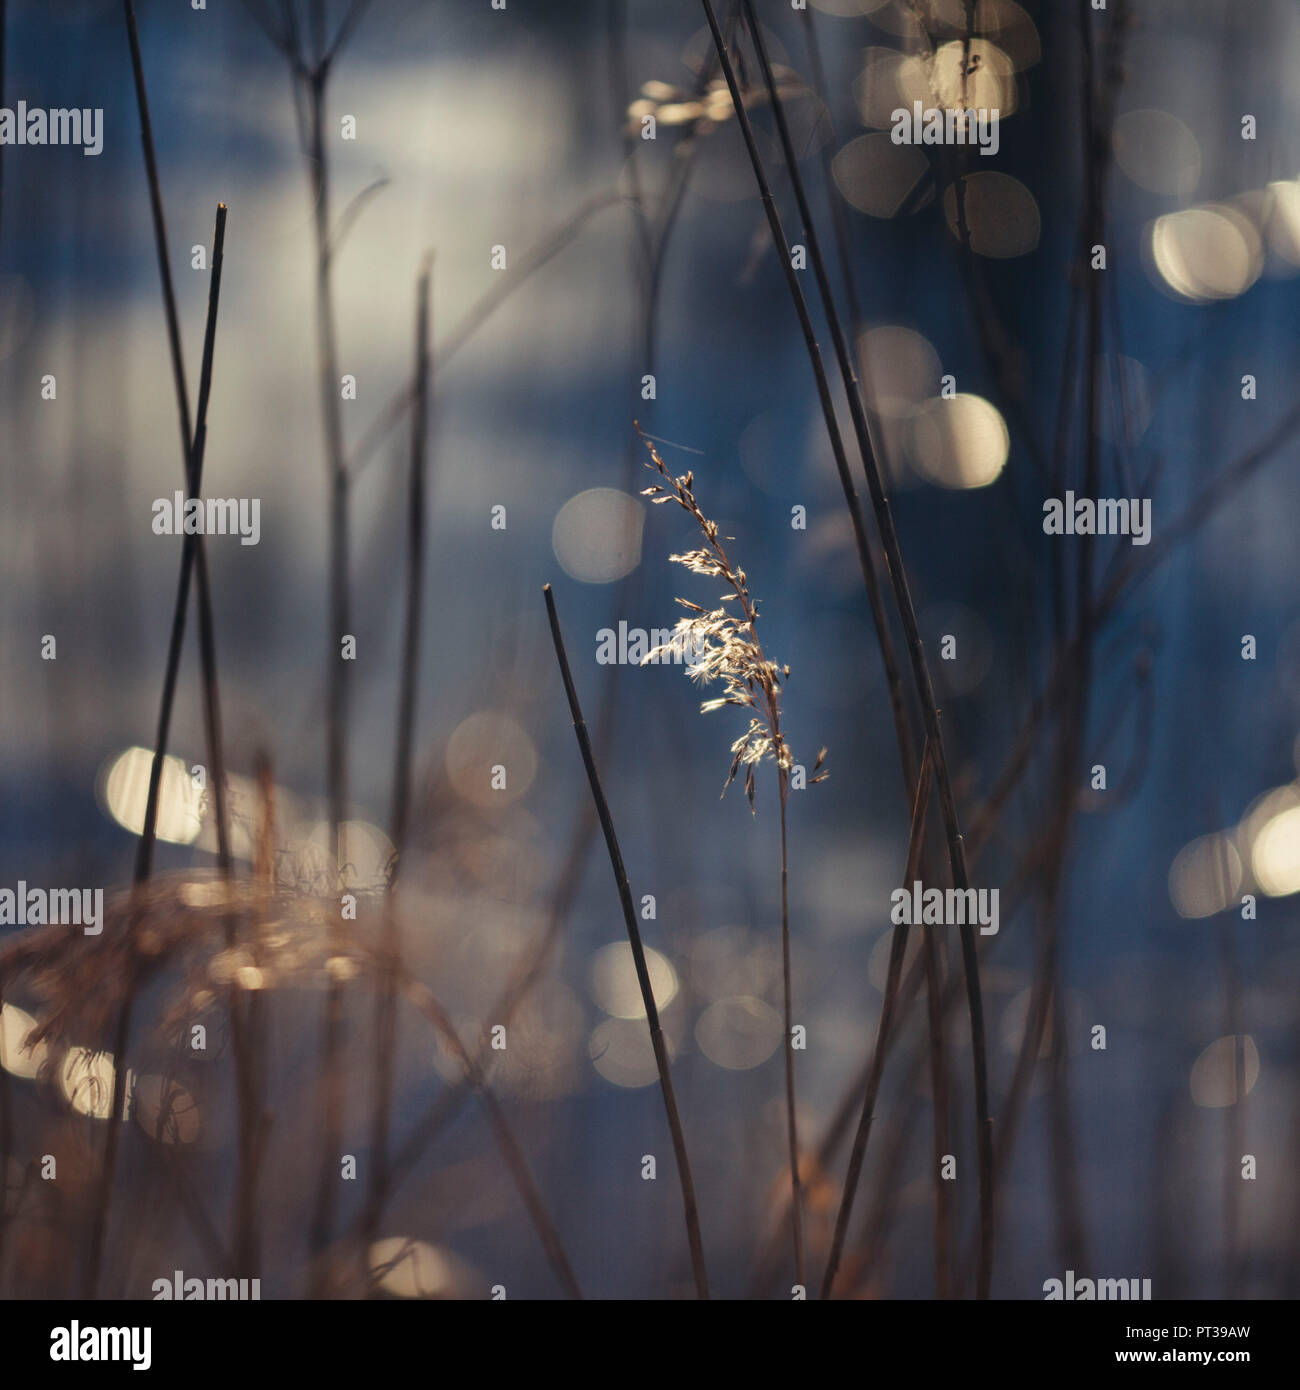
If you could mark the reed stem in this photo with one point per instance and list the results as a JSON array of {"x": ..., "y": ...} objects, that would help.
[{"x": 638, "y": 954}]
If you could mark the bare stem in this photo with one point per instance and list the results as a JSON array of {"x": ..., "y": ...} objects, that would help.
[
  {"x": 897, "y": 951},
  {"x": 792, "y": 1130},
  {"x": 638, "y": 955},
  {"x": 916, "y": 651},
  {"x": 385, "y": 1020},
  {"x": 192, "y": 465}
]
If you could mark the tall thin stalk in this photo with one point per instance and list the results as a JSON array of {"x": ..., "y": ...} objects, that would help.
[
  {"x": 849, "y": 381},
  {"x": 884, "y": 1027},
  {"x": 916, "y": 651},
  {"x": 423, "y": 999},
  {"x": 188, "y": 552},
  {"x": 638, "y": 955},
  {"x": 310, "y": 62},
  {"x": 385, "y": 1020},
  {"x": 192, "y": 465}
]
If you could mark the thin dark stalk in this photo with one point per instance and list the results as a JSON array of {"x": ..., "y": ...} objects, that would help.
[
  {"x": 104, "y": 1193},
  {"x": 385, "y": 1020},
  {"x": 143, "y": 857},
  {"x": 638, "y": 955},
  {"x": 308, "y": 82},
  {"x": 533, "y": 961},
  {"x": 422, "y": 998},
  {"x": 852, "y": 391},
  {"x": 193, "y": 480},
  {"x": 415, "y": 527},
  {"x": 933, "y": 963},
  {"x": 3, "y": 27},
  {"x": 916, "y": 650},
  {"x": 884, "y": 1027},
  {"x": 792, "y": 1129},
  {"x": 336, "y": 717},
  {"x": 939, "y": 1106},
  {"x": 6, "y": 1124}
]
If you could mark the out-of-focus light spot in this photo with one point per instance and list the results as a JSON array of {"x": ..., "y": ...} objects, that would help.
[
  {"x": 413, "y": 1269},
  {"x": 1215, "y": 1071},
  {"x": 990, "y": 83},
  {"x": 849, "y": 9},
  {"x": 878, "y": 177},
  {"x": 724, "y": 962},
  {"x": 738, "y": 1033},
  {"x": 597, "y": 535},
  {"x": 541, "y": 1061},
  {"x": 1205, "y": 253},
  {"x": 1158, "y": 152},
  {"x": 1001, "y": 215},
  {"x": 365, "y": 852},
  {"x": 486, "y": 740},
  {"x": 971, "y": 647},
  {"x": 1280, "y": 219},
  {"x": 1002, "y": 21},
  {"x": 340, "y": 969},
  {"x": 898, "y": 17},
  {"x": 1275, "y": 854},
  {"x": 960, "y": 441},
  {"x": 124, "y": 792},
  {"x": 15, "y": 1025},
  {"x": 165, "y": 1110},
  {"x": 879, "y": 91},
  {"x": 679, "y": 112},
  {"x": 899, "y": 369},
  {"x": 217, "y": 891},
  {"x": 621, "y": 1052},
  {"x": 614, "y": 984},
  {"x": 86, "y": 1081},
  {"x": 245, "y": 813},
  {"x": 1205, "y": 876}
]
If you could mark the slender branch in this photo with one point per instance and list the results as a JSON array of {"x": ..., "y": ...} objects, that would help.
[
  {"x": 916, "y": 651},
  {"x": 423, "y": 999},
  {"x": 385, "y": 1021},
  {"x": 792, "y": 1130},
  {"x": 849, "y": 380},
  {"x": 193, "y": 479},
  {"x": 638, "y": 955},
  {"x": 884, "y": 1026}
]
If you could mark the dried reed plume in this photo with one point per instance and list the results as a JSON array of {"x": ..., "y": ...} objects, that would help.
[{"x": 723, "y": 645}]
